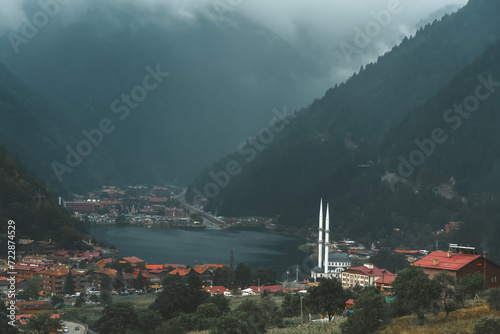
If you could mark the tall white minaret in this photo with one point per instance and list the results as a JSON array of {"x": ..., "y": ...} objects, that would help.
[
  {"x": 327, "y": 238},
  {"x": 320, "y": 233}
]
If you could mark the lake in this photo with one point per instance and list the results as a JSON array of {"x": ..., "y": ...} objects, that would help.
[{"x": 159, "y": 246}]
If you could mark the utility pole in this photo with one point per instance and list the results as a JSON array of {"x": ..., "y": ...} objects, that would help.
[
  {"x": 297, "y": 272},
  {"x": 231, "y": 257},
  {"x": 301, "y": 316}
]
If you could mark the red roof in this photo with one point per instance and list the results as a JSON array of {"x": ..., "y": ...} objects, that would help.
[
  {"x": 133, "y": 259},
  {"x": 103, "y": 262},
  {"x": 386, "y": 279},
  {"x": 216, "y": 289},
  {"x": 370, "y": 271},
  {"x": 349, "y": 302},
  {"x": 453, "y": 263},
  {"x": 154, "y": 266},
  {"x": 180, "y": 272},
  {"x": 270, "y": 288},
  {"x": 22, "y": 317}
]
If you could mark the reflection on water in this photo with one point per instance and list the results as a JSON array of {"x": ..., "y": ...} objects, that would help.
[{"x": 157, "y": 246}]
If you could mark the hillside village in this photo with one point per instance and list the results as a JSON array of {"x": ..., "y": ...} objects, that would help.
[{"x": 97, "y": 273}]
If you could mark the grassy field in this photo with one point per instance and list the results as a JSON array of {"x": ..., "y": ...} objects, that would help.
[
  {"x": 88, "y": 313},
  {"x": 459, "y": 322},
  {"x": 296, "y": 326},
  {"x": 235, "y": 301}
]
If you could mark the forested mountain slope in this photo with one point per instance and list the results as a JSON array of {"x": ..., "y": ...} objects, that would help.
[{"x": 345, "y": 144}]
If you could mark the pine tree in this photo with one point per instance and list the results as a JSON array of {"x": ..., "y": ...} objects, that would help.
[{"x": 69, "y": 284}]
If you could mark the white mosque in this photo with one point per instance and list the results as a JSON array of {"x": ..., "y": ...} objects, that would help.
[{"x": 331, "y": 266}]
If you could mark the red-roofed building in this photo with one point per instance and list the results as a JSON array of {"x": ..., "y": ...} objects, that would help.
[
  {"x": 154, "y": 266},
  {"x": 29, "y": 269},
  {"x": 23, "y": 317},
  {"x": 217, "y": 290},
  {"x": 53, "y": 279},
  {"x": 460, "y": 262},
  {"x": 271, "y": 288},
  {"x": 134, "y": 260},
  {"x": 102, "y": 263},
  {"x": 99, "y": 274},
  {"x": 172, "y": 265},
  {"x": 384, "y": 283},
  {"x": 33, "y": 306},
  {"x": 180, "y": 272},
  {"x": 363, "y": 276},
  {"x": 349, "y": 305}
]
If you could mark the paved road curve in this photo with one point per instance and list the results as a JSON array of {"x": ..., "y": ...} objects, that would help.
[{"x": 71, "y": 326}]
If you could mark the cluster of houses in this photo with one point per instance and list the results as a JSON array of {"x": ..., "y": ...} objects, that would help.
[
  {"x": 87, "y": 266},
  {"x": 140, "y": 205}
]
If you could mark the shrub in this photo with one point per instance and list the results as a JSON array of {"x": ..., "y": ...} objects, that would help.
[
  {"x": 487, "y": 325},
  {"x": 494, "y": 298}
]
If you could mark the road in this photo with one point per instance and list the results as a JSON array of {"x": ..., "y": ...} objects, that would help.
[
  {"x": 210, "y": 221},
  {"x": 71, "y": 327}
]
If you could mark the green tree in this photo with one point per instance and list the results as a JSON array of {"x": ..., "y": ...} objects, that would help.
[
  {"x": 149, "y": 320},
  {"x": 221, "y": 302},
  {"x": 223, "y": 277},
  {"x": 328, "y": 297},
  {"x": 473, "y": 284},
  {"x": 106, "y": 283},
  {"x": 31, "y": 290},
  {"x": 119, "y": 281},
  {"x": 56, "y": 299},
  {"x": 105, "y": 296},
  {"x": 369, "y": 312},
  {"x": 254, "y": 316},
  {"x": 291, "y": 305},
  {"x": 205, "y": 316},
  {"x": 177, "y": 297},
  {"x": 117, "y": 318},
  {"x": 140, "y": 281},
  {"x": 235, "y": 322},
  {"x": 393, "y": 262},
  {"x": 452, "y": 296},
  {"x": 242, "y": 275},
  {"x": 487, "y": 325},
  {"x": 266, "y": 275},
  {"x": 80, "y": 300},
  {"x": 69, "y": 284},
  {"x": 175, "y": 325},
  {"x": 415, "y": 292},
  {"x": 273, "y": 315},
  {"x": 43, "y": 323},
  {"x": 493, "y": 298},
  {"x": 193, "y": 280}
]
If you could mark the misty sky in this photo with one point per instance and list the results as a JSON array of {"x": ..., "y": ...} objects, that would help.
[{"x": 318, "y": 27}]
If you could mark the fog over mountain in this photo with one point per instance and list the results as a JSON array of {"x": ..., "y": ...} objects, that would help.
[{"x": 229, "y": 64}]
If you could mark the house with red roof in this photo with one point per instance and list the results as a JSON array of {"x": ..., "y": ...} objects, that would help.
[
  {"x": 362, "y": 276},
  {"x": 33, "y": 306},
  {"x": 217, "y": 290},
  {"x": 384, "y": 283},
  {"x": 154, "y": 266},
  {"x": 271, "y": 288},
  {"x": 102, "y": 263},
  {"x": 173, "y": 265},
  {"x": 180, "y": 272},
  {"x": 134, "y": 260},
  {"x": 459, "y": 262}
]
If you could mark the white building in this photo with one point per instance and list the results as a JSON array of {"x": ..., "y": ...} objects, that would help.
[{"x": 329, "y": 266}]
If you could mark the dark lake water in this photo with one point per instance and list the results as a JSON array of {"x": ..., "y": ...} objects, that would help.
[{"x": 159, "y": 246}]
